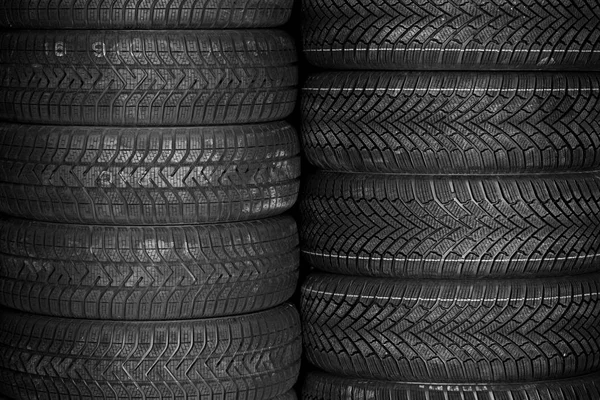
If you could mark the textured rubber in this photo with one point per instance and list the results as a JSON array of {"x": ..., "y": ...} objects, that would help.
[
  {"x": 147, "y": 78},
  {"x": 145, "y": 14},
  {"x": 428, "y": 122},
  {"x": 444, "y": 34},
  {"x": 249, "y": 357},
  {"x": 291, "y": 395},
  {"x": 148, "y": 176},
  {"x": 147, "y": 272},
  {"x": 487, "y": 330},
  {"x": 451, "y": 226},
  {"x": 321, "y": 386}
]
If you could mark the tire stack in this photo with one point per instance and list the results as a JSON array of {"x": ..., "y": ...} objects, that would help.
[
  {"x": 144, "y": 168},
  {"x": 455, "y": 218}
]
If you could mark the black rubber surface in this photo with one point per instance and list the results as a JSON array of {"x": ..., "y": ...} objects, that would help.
[
  {"x": 291, "y": 395},
  {"x": 451, "y": 226},
  {"x": 322, "y": 386},
  {"x": 148, "y": 176},
  {"x": 147, "y": 272},
  {"x": 443, "y": 34},
  {"x": 147, "y": 78},
  {"x": 255, "y": 356},
  {"x": 144, "y": 14},
  {"x": 428, "y": 122},
  {"x": 469, "y": 331}
]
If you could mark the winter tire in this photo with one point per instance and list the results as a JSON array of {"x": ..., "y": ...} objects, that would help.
[
  {"x": 441, "y": 122},
  {"x": 441, "y": 34},
  {"x": 147, "y": 272},
  {"x": 147, "y": 78},
  {"x": 253, "y": 356},
  {"x": 146, "y": 14},
  {"x": 451, "y": 226},
  {"x": 453, "y": 331},
  {"x": 321, "y": 386},
  {"x": 133, "y": 176}
]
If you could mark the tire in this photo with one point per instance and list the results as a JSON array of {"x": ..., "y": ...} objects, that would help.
[
  {"x": 147, "y": 78},
  {"x": 434, "y": 122},
  {"x": 147, "y": 272},
  {"x": 135, "y": 176},
  {"x": 254, "y": 356},
  {"x": 321, "y": 386},
  {"x": 451, "y": 226},
  {"x": 438, "y": 34},
  {"x": 452, "y": 331},
  {"x": 149, "y": 14}
]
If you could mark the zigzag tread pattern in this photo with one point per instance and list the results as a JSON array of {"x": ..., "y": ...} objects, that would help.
[
  {"x": 145, "y": 14},
  {"x": 434, "y": 122},
  {"x": 448, "y": 34},
  {"x": 162, "y": 175},
  {"x": 488, "y": 330},
  {"x": 250, "y": 357},
  {"x": 322, "y": 386},
  {"x": 451, "y": 226},
  {"x": 147, "y": 272},
  {"x": 147, "y": 78}
]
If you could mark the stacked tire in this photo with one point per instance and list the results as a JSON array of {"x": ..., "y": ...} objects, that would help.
[
  {"x": 454, "y": 217},
  {"x": 145, "y": 169}
]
